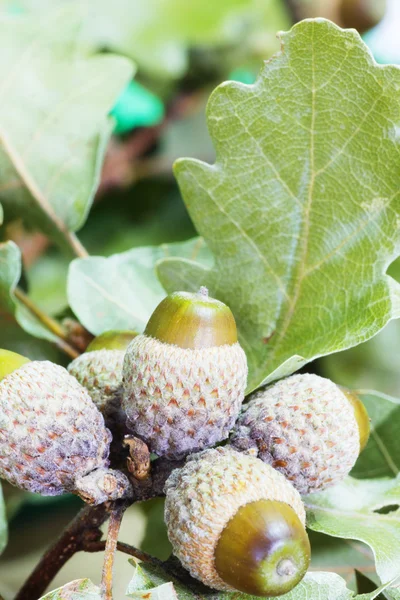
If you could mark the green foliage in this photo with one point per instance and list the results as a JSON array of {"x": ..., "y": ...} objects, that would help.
[
  {"x": 52, "y": 149},
  {"x": 121, "y": 292},
  {"x": 299, "y": 218},
  {"x": 353, "y": 510},
  {"x": 381, "y": 457},
  {"x": 327, "y": 586},
  {"x": 76, "y": 590},
  {"x": 10, "y": 273},
  {"x": 301, "y": 207},
  {"x": 157, "y": 34}
]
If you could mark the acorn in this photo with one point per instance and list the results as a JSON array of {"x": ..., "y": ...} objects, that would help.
[
  {"x": 52, "y": 437},
  {"x": 236, "y": 524},
  {"x": 184, "y": 379},
  {"x": 99, "y": 370},
  {"x": 307, "y": 428}
]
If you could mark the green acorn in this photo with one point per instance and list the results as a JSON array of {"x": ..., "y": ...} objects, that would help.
[
  {"x": 307, "y": 428},
  {"x": 236, "y": 524},
  {"x": 52, "y": 437},
  {"x": 184, "y": 379},
  {"x": 99, "y": 370}
]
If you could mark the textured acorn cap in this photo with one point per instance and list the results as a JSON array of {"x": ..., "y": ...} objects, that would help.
[
  {"x": 51, "y": 433},
  {"x": 305, "y": 427},
  {"x": 203, "y": 496},
  {"x": 100, "y": 372},
  {"x": 180, "y": 400}
]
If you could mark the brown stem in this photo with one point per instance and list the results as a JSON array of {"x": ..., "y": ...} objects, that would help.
[
  {"x": 83, "y": 529},
  {"x": 76, "y": 246},
  {"x": 100, "y": 546},
  {"x": 51, "y": 324},
  {"x": 110, "y": 548}
]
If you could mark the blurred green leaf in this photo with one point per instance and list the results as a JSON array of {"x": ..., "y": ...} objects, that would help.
[
  {"x": 349, "y": 510},
  {"x": 372, "y": 365},
  {"x": 121, "y": 292},
  {"x": 10, "y": 273},
  {"x": 155, "y": 540},
  {"x": 3, "y": 523},
  {"x": 381, "y": 457},
  {"x": 301, "y": 208},
  {"x": 53, "y": 124},
  {"x": 82, "y": 589}
]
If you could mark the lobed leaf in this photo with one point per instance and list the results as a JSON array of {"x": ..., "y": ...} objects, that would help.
[
  {"x": 355, "y": 509},
  {"x": 301, "y": 209}
]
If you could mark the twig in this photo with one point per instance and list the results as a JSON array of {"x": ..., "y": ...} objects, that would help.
[
  {"x": 110, "y": 548},
  {"x": 100, "y": 546},
  {"x": 83, "y": 529},
  {"x": 76, "y": 246},
  {"x": 51, "y": 324}
]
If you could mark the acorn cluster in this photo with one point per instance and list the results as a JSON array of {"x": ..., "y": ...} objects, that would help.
[{"x": 234, "y": 513}]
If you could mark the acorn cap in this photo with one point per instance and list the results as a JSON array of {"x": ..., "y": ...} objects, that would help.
[
  {"x": 112, "y": 340},
  {"x": 361, "y": 415},
  {"x": 51, "y": 433},
  {"x": 202, "y": 513},
  {"x": 192, "y": 321},
  {"x": 264, "y": 549},
  {"x": 10, "y": 361}
]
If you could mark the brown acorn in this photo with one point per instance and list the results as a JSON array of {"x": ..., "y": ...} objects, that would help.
[
  {"x": 184, "y": 379},
  {"x": 236, "y": 524}
]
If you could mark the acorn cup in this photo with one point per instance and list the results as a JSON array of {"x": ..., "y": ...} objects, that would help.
[
  {"x": 184, "y": 379},
  {"x": 307, "y": 428},
  {"x": 52, "y": 437},
  {"x": 99, "y": 370},
  {"x": 236, "y": 524}
]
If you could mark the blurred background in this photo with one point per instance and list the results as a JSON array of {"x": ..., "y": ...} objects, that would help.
[{"x": 182, "y": 51}]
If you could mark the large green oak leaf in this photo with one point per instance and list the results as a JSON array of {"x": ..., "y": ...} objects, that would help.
[
  {"x": 301, "y": 209},
  {"x": 53, "y": 119}
]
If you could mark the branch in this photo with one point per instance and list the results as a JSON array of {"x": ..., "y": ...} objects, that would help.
[
  {"x": 82, "y": 530},
  {"x": 83, "y": 534},
  {"x": 51, "y": 324}
]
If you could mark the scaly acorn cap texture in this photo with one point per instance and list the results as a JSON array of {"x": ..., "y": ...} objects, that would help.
[
  {"x": 305, "y": 427},
  {"x": 52, "y": 436},
  {"x": 236, "y": 524},
  {"x": 99, "y": 370},
  {"x": 184, "y": 379}
]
